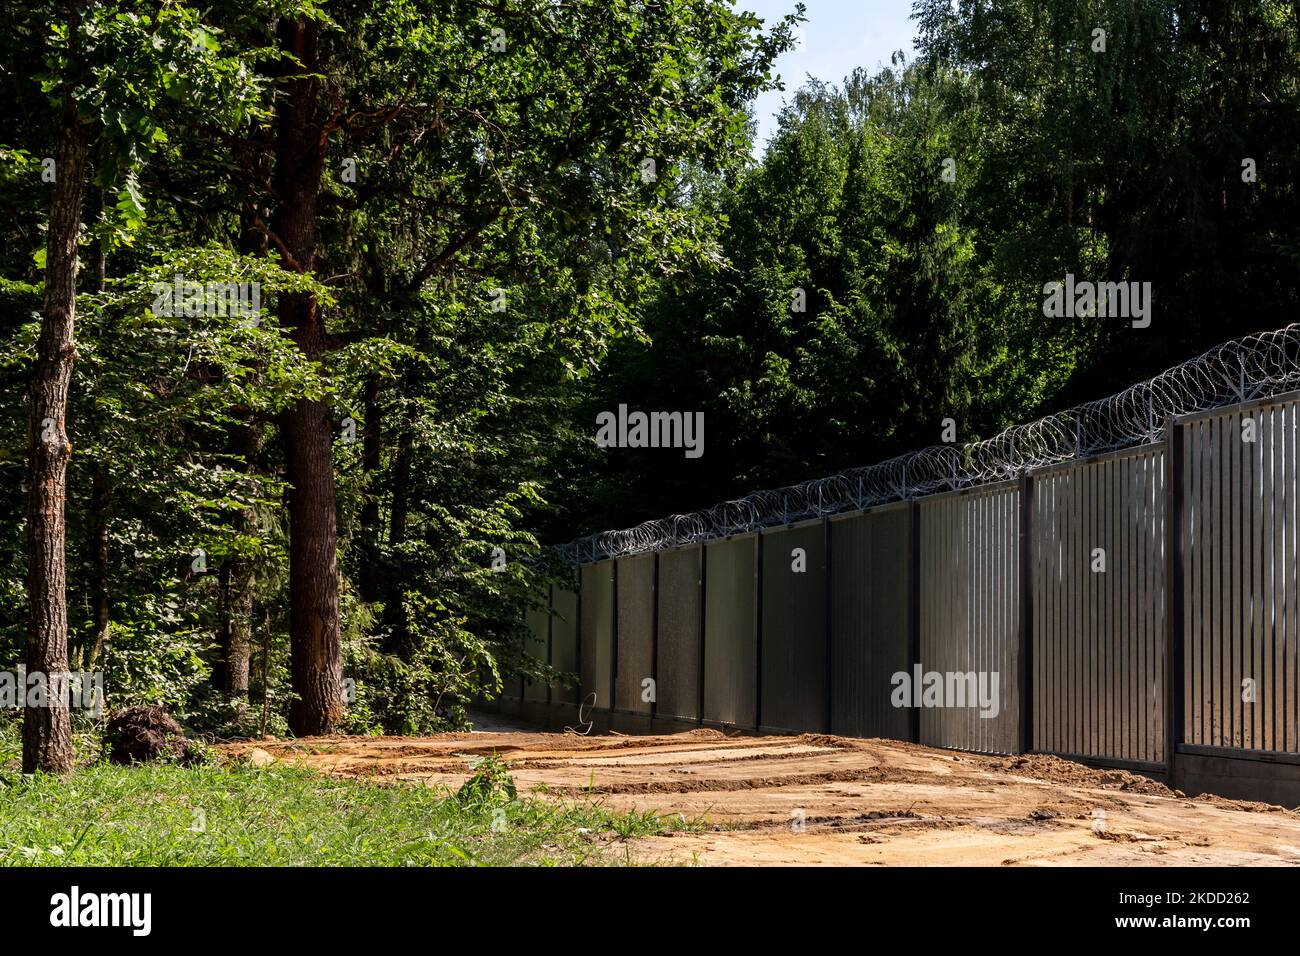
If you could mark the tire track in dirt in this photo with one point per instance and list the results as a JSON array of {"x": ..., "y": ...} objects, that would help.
[
  {"x": 731, "y": 785},
  {"x": 544, "y": 763}
]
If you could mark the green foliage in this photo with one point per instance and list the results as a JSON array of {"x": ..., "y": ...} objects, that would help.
[
  {"x": 851, "y": 315},
  {"x": 156, "y": 395},
  {"x": 1127, "y": 163},
  {"x": 924, "y": 292},
  {"x": 234, "y": 815},
  {"x": 479, "y": 170},
  {"x": 491, "y": 786},
  {"x": 557, "y": 223},
  {"x": 148, "y": 662}
]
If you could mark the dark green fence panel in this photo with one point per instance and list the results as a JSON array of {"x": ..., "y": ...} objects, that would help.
[
  {"x": 870, "y": 585},
  {"x": 564, "y": 641},
  {"x": 597, "y": 649},
  {"x": 636, "y": 623},
  {"x": 537, "y": 645},
  {"x": 730, "y": 632},
  {"x": 794, "y": 628},
  {"x": 677, "y": 679}
]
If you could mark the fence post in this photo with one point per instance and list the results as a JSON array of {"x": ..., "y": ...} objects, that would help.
[
  {"x": 1025, "y": 636},
  {"x": 758, "y": 630},
  {"x": 703, "y": 583},
  {"x": 654, "y": 643},
  {"x": 1175, "y": 437},
  {"x": 577, "y": 633},
  {"x": 613, "y": 639},
  {"x": 550, "y": 625},
  {"x": 826, "y": 627},
  {"x": 914, "y": 609}
]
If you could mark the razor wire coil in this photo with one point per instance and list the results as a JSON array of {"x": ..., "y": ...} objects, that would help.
[{"x": 1244, "y": 369}]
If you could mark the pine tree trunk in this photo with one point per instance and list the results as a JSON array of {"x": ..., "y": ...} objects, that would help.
[
  {"x": 316, "y": 663},
  {"x": 47, "y": 731},
  {"x": 99, "y": 497},
  {"x": 368, "y": 583},
  {"x": 239, "y": 583},
  {"x": 397, "y": 639},
  {"x": 86, "y": 657},
  {"x": 239, "y": 642},
  {"x": 99, "y": 491}
]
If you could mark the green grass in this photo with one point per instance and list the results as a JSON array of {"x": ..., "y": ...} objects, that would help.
[{"x": 235, "y": 815}]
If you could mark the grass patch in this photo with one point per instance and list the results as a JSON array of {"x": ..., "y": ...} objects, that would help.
[{"x": 236, "y": 815}]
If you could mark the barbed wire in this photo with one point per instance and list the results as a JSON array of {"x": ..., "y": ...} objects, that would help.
[{"x": 1241, "y": 370}]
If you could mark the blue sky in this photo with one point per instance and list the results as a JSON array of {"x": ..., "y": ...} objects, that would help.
[{"x": 839, "y": 35}]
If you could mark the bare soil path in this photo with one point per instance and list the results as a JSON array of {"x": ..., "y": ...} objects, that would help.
[{"x": 816, "y": 799}]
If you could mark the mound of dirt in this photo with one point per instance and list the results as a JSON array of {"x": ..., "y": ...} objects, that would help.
[
  {"x": 1058, "y": 769},
  {"x": 826, "y": 740},
  {"x": 1249, "y": 806},
  {"x": 142, "y": 734},
  {"x": 702, "y": 733}
]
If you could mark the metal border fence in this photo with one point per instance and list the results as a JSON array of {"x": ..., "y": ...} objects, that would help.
[{"x": 1137, "y": 605}]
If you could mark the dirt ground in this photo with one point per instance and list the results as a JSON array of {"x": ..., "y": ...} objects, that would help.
[{"x": 816, "y": 799}]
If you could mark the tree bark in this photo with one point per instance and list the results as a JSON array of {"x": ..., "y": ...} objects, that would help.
[
  {"x": 368, "y": 579},
  {"x": 239, "y": 579},
  {"x": 47, "y": 730},
  {"x": 397, "y": 640},
  {"x": 99, "y": 497},
  {"x": 239, "y": 575},
  {"x": 100, "y": 490},
  {"x": 316, "y": 660},
  {"x": 239, "y": 636}
]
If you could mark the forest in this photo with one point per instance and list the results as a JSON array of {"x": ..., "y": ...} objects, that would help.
[{"x": 312, "y": 312}]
